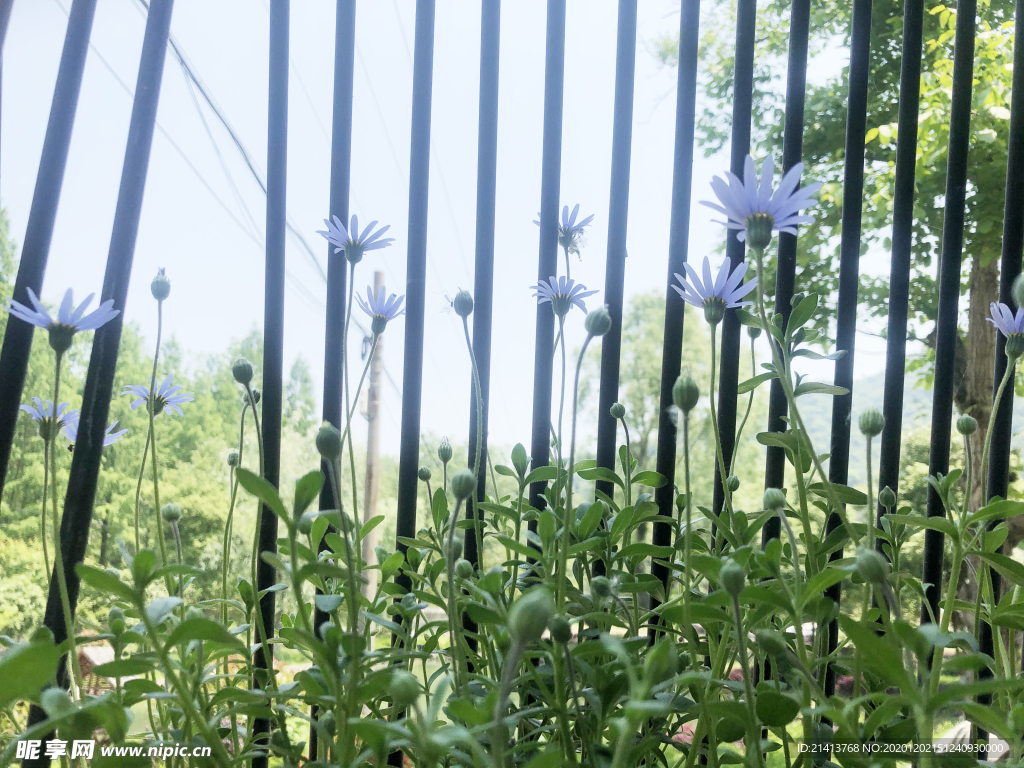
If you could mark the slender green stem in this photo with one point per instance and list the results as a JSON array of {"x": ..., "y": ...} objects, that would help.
[
  {"x": 569, "y": 517},
  {"x": 746, "y": 415},
  {"x": 44, "y": 535},
  {"x": 688, "y": 548},
  {"x": 753, "y": 727},
  {"x": 229, "y": 524},
  {"x": 348, "y": 392},
  {"x": 722, "y": 469},
  {"x": 1007, "y": 375},
  {"x": 455, "y": 646},
  {"x": 138, "y": 495},
  {"x": 478, "y": 447}
]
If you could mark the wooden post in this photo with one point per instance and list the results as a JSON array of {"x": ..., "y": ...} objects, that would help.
[{"x": 371, "y": 487}]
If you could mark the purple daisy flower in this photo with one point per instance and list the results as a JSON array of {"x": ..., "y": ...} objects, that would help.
[
  {"x": 381, "y": 312},
  {"x": 1003, "y": 318},
  {"x": 69, "y": 320},
  {"x": 167, "y": 397},
  {"x": 353, "y": 242},
  {"x": 715, "y": 296},
  {"x": 49, "y": 422},
  {"x": 109, "y": 436},
  {"x": 563, "y": 293},
  {"x": 753, "y": 208},
  {"x": 570, "y": 231}
]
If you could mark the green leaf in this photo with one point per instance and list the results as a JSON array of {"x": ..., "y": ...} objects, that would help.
[
  {"x": 391, "y": 565},
  {"x": 590, "y": 520},
  {"x": 881, "y": 655},
  {"x": 938, "y": 523},
  {"x": 369, "y": 525},
  {"x": 307, "y": 488},
  {"x": 104, "y": 582},
  {"x": 642, "y": 549},
  {"x": 25, "y": 669},
  {"x": 844, "y": 493},
  {"x": 650, "y": 479},
  {"x": 803, "y": 312},
  {"x": 752, "y": 384},
  {"x": 822, "y": 581},
  {"x": 542, "y": 474},
  {"x": 136, "y": 665},
  {"x": 987, "y": 719},
  {"x": 550, "y": 759},
  {"x": 816, "y": 388},
  {"x": 601, "y": 473},
  {"x": 1001, "y": 509},
  {"x": 327, "y": 603},
  {"x": 201, "y": 628},
  {"x": 776, "y": 709},
  {"x": 1006, "y": 566},
  {"x": 262, "y": 490},
  {"x": 161, "y": 608}
]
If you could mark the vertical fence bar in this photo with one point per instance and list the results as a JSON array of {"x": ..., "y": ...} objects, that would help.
[
  {"x": 849, "y": 276},
  {"x": 18, "y": 337},
  {"x": 415, "y": 283},
  {"x": 341, "y": 167},
  {"x": 1009, "y": 269},
  {"x": 785, "y": 269},
  {"x": 678, "y": 250},
  {"x": 547, "y": 263},
  {"x": 273, "y": 325},
  {"x": 735, "y": 250},
  {"x": 416, "y": 268},
  {"x": 902, "y": 232},
  {"x": 618, "y": 215},
  {"x": 483, "y": 278},
  {"x": 99, "y": 381},
  {"x": 946, "y": 336}
]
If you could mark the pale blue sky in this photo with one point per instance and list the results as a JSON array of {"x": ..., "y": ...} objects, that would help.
[{"x": 216, "y": 265}]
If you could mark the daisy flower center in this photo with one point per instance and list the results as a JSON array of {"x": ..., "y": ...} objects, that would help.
[
  {"x": 61, "y": 336},
  {"x": 759, "y": 229}
]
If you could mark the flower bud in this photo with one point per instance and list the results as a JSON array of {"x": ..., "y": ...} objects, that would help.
[
  {"x": 424, "y": 474},
  {"x": 306, "y": 520},
  {"x": 754, "y": 331},
  {"x": 733, "y": 483},
  {"x": 561, "y": 630},
  {"x": 171, "y": 512},
  {"x": 770, "y": 641},
  {"x": 887, "y": 498},
  {"x": 871, "y": 423},
  {"x": 455, "y": 550},
  {"x": 444, "y": 451},
  {"x": 328, "y": 441},
  {"x": 662, "y": 662},
  {"x": 731, "y": 578},
  {"x": 257, "y": 393},
  {"x": 598, "y": 322},
  {"x": 115, "y": 621},
  {"x": 966, "y": 425},
  {"x": 759, "y": 230},
  {"x": 1017, "y": 291},
  {"x": 463, "y": 569},
  {"x": 1014, "y": 345},
  {"x": 685, "y": 393},
  {"x": 463, "y": 304},
  {"x": 714, "y": 310},
  {"x": 463, "y": 484},
  {"x": 241, "y": 369},
  {"x": 530, "y": 615},
  {"x": 871, "y": 565},
  {"x": 617, "y": 411},
  {"x": 234, "y": 457},
  {"x": 774, "y": 499},
  {"x": 520, "y": 460},
  {"x": 327, "y": 721},
  {"x": 600, "y": 587},
  {"x": 404, "y": 689},
  {"x": 161, "y": 285}
]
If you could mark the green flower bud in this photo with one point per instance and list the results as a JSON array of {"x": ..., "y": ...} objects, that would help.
[
  {"x": 306, "y": 520},
  {"x": 444, "y": 451},
  {"x": 685, "y": 393},
  {"x": 871, "y": 565},
  {"x": 404, "y": 689},
  {"x": 171, "y": 512},
  {"x": 463, "y": 484},
  {"x": 424, "y": 474},
  {"x": 714, "y": 310},
  {"x": 561, "y": 630},
  {"x": 234, "y": 458},
  {"x": 966, "y": 425},
  {"x": 161, "y": 285},
  {"x": 463, "y": 568},
  {"x": 1017, "y": 291},
  {"x": 770, "y": 641},
  {"x": 887, "y": 498},
  {"x": 733, "y": 483},
  {"x": 520, "y": 460},
  {"x": 241, "y": 369},
  {"x": 1014, "y": 345},
  {"x": 600, "y": 587},
  {"x": 598, "y": 322},
  {"x": 115, "y": 621},
  {"x": 328, "y": 441},
  {"x": 731, "y": 578},
  {"x": 617, "y": 411},
  {"x": 662, "y": 662},
  {"x": 455, "y": 550},
  {"x": 759, "y": 230},
  {"x": 774, "y": 499},
  {"x": 257, "y": 393},
  {"x": 530, "y": 615},
  {"x": 871, "y": 422},
  {"x": 463, "y": 304},
  {"x": 753, "y": 331}
]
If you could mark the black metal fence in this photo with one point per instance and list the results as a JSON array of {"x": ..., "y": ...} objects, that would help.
[{"x": 86, "y": 461}]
